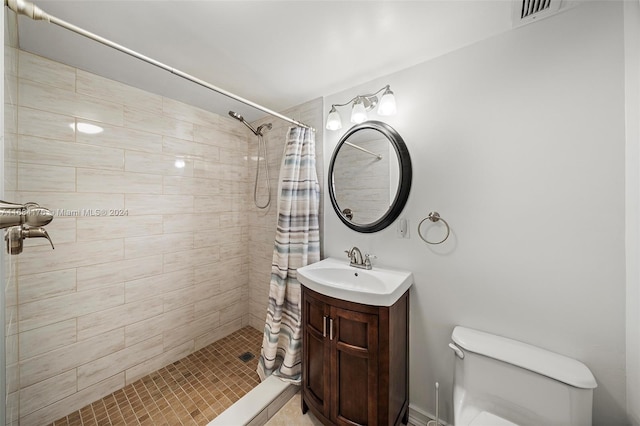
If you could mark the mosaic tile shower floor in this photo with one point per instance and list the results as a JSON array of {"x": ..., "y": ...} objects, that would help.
[{"x": 191, "y": 391}]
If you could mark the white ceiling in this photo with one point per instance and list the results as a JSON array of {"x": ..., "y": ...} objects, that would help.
[{"x": 275, "y": 53}]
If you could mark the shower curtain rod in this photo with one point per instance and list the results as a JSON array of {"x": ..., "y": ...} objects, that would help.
[{"x": 32, "y": 11}]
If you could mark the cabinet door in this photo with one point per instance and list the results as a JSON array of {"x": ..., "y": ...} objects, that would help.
[
  {"x": 354, "y": 362},
  {"x": 315, "y": 368}
]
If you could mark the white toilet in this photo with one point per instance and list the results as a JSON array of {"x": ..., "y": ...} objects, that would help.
[{"x": 503, "y": 382}]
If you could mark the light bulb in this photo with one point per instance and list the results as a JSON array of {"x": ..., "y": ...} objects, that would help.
[
  {"x": 387, "y": 104},
  {"x": 333, "y": 120},
  {"x": 358, "y": 112}
]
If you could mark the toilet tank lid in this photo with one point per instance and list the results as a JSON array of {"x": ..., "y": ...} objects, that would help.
[{"x": 538, "y": 360}]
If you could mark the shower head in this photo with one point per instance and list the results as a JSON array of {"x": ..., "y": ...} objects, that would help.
[
  {"x": 236, "y": 115},
  {"x": 257, "y": 131},
  {"x": 243, "y": 121},
  {"x": 267, "y": 126}
]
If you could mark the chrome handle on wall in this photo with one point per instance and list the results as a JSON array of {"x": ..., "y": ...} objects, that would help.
[{"x": 24, "y": 221}]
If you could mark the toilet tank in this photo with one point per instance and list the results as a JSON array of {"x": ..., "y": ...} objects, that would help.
[{"x": 503, "y": 381}]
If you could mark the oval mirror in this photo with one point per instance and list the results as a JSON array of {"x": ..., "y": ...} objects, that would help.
[{"x": 369, "y": 176}]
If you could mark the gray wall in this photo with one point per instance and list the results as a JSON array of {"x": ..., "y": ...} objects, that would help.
[{"x": 518, "y": 141}]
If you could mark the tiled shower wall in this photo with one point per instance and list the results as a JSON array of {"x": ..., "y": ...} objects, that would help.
[
  {"x": 150, "y": 259},
  {"x": 262, "y": 223}
]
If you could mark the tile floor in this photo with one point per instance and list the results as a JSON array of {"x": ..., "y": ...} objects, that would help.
[
  {"x": 191, "y": 391},
  {"x": 291, "y": 414}
]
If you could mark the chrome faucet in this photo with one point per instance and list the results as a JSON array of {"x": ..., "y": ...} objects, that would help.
[
  {"x": 356, "y": 260},
  {"x": 23, "y": 221}
]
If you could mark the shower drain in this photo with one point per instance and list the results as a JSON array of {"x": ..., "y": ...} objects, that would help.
[{"x": 247, "y": 356}]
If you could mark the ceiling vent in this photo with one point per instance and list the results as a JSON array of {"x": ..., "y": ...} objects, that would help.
[{"x": 527, "y": 11}]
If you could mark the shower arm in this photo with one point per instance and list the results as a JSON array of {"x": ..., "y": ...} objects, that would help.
[{"x": 32, "y": 11}]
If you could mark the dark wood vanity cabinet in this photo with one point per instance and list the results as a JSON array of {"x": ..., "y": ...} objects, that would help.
[{"x": 355, "y": 360}]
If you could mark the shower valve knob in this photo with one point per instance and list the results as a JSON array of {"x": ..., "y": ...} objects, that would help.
[{"x": 15, "y": 237}]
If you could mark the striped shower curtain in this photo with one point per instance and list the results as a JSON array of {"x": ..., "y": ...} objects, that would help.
[{"x": 297, "y": 244}]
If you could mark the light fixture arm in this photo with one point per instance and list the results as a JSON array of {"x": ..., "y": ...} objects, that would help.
[
  {"x": 368, "y": 98},
  {"x": 360, "y": 104}
]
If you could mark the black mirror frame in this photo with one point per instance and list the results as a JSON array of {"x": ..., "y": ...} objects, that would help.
[{"x": 405, "y": 175}]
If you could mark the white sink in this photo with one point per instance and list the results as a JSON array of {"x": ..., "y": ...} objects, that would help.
[{"x": 335, "y": 278}]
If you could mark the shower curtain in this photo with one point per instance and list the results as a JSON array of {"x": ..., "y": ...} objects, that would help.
[{"x": 297, "y": 244}]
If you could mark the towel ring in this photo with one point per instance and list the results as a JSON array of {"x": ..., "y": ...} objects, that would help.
[{"x": 433, "y": 217}]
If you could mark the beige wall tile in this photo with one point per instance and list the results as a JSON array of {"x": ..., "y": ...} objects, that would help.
[
  {"x": 207, "y": 169},
  {"x": 238, "y": 218},
  {"x": 42, "y": 70},
  {"x": 190, "y": 295},
  {"x": 97, "y": 276},
  {"x": 44, "y": 339},
  {"x": 187, "y": 185},
  {"x": 102, "y": 321},
  {"x": 92, "y": 180},
  {"x": 10, "y": 59},
  {"x": 161, "y": 164},
  {"x": 218, "y": 302},
  {"x": 70, "y": 255},
  {"x": 13, "y": 402},
  {"x": 173, "y": 223},
  {"x": 13, "y": 377},
  {"x": 218, "y": 237},
  {"x": 233, "y": 248},
  {"x": 56, "y": 362},
  {"x": 165, "y": 243},
  {"x": 176, "y": 146},
  {"x": 73, "y": 203},
  {"x": 103, "y": 88},
  {"x": 104, "y": 228},
  {"x": 138, "y": 119},
  {"x": 36, "y": 150},
  {"x": 73, "y": 402},
  {"x": 189, "y": 113},
  {"x": 11, "y": 320},
  {"x": 233, "y": 312},
  {"x": 237, "y": 138},
  {"x": 188, "y": 332},
  {"x": 45, "y": 285},
  {"x": 107, "y": 366},
  {"x": 44, "y": 124},
  {"x": 226, "y": 125},
  {"x": 54, "y": 309},
  {"x": 159, "y": 361},
  {"x": 121, "y": 137},
  {"x": 158, "y": 284},
  {"x": 217, "y": 334},
  {"x": 136, "y": 333},
  {"x": 189, "y": 258},
  {"x": 47, "y": 392},
  {"x": 37, "y": 177},
  {"x": 139, "y": 204},
  {"x": 11, "y": 349},
  {"x": 61, "y": 101},
  {"x": 219, "y": 204}
]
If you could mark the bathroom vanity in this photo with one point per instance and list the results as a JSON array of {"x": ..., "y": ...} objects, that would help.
[{"x": 355, "y": 367}]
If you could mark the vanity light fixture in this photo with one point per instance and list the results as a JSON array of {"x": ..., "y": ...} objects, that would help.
[{"x": 362, "y": 104}]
